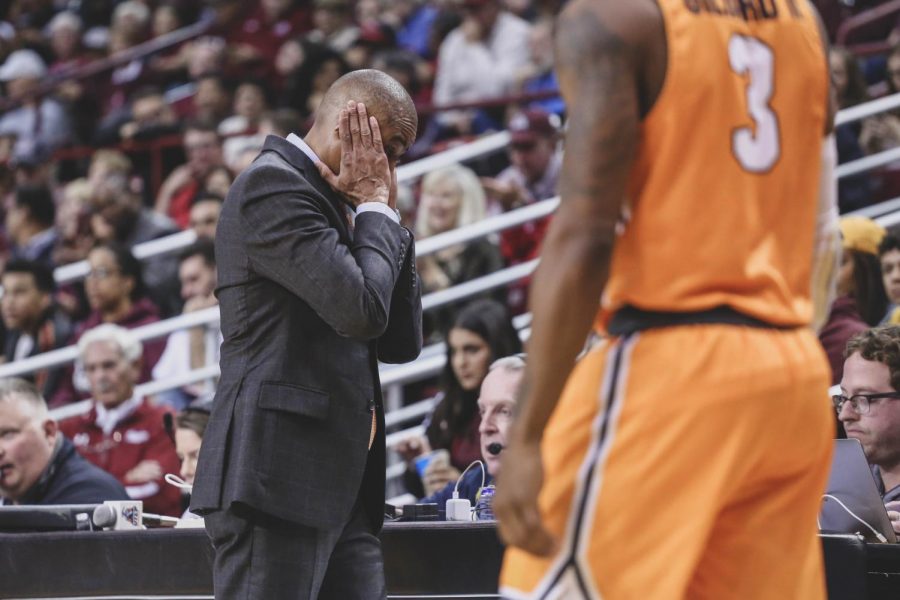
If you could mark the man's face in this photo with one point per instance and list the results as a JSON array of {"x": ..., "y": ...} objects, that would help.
[
  {"x": 890, "y": 274},
  {"x": 204, "y": 151},
  {"x": 152, "y": 110},
  {"x": 496, "y": 404},
  {"x": 197, "y": 278},
  {"x": 878, "y": 430},
  {"x": 23, "y": 303},
  {"x": 397, "y": 135},
  {"x": 204, "y": 218},
  {"x": 26, "y": 445},
  {"x": 532, "y": 158},
  {"x": 187, "y": 447},
  {"x": 110, "y": 375}
]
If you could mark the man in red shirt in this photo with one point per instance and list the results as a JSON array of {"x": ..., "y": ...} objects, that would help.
[{"x": 123, "y": 433}]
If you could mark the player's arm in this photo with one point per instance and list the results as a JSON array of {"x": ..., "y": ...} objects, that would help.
[
  {"x": 598, "y": 50},
  {"x": 827, "y": 243}
]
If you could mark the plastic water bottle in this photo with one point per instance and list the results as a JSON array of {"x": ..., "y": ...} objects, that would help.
[{"x": 484, "y": 509}]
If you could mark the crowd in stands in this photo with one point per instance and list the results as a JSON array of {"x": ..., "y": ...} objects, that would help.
[{"x": 116, "y": 130}]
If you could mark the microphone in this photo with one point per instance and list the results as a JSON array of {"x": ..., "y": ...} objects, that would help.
[
  {"x": 495, "y": 448},
  {"x": 128, "y": 515}
]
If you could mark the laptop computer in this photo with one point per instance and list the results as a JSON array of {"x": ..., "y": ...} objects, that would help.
[{"x": 852, "y": 491}]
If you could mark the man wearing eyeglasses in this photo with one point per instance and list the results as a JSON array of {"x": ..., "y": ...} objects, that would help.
[{"x": 868, "y": 408}]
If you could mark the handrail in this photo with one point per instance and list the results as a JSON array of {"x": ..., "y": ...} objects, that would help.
[
  {"x": 486, "y": 227},
  {"x": 867, "y": 163},
  {"x": 864, "y": 18},
  {"x": 127, "y": 55},
  {"x": 430, "y": 362},
  {"x": 145, "y": 332},
  {"x": 210, "y": 315},
  {"x": 484, "y": 145},
  {"x": 867, "y": 109},
  {"x": 170, "y": 243}
]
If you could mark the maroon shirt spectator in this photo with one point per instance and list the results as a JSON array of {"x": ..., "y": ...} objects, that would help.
[{"x": 123, "y": 433}]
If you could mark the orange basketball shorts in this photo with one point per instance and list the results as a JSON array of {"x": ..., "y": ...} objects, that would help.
[{"x": 685, "y": 462}]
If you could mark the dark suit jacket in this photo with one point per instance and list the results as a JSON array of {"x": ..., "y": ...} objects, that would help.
[{"x": 308, "y": 307}]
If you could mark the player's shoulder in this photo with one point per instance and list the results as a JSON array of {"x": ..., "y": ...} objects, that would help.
[{"x": 631, "y": 23}]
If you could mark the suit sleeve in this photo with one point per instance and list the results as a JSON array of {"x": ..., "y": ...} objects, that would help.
[
  {"x": 402, "y": 341},
  {"x": 291, "y": 242}
]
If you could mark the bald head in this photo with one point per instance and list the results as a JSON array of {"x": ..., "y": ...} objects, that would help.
[{"x": 383, "y": 96}]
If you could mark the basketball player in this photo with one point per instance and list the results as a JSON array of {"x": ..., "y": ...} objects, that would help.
[{"x": 685, "y": 457}]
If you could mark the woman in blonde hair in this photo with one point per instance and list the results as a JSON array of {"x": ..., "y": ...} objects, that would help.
[{"x": 452, "y": 197}]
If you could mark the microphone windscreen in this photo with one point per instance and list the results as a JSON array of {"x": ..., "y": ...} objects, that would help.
[
  {"x": 104, "y": 516},
  {"x": 495, "y": 448}
]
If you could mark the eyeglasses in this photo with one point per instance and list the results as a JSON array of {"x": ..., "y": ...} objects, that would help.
[
  {"x": 101, "y": 273},
  {"x": 860, "y": 402}
]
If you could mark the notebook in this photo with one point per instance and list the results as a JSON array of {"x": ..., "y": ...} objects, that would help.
[{"x": 851, "y": 482}]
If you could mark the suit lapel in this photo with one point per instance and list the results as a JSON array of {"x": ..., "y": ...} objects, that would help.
[{"x": 333, "y": 206}]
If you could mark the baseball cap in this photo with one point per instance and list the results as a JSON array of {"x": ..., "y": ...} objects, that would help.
[
  {"x": 526, "y": 127},
  {"x": 861, "y": 234},
  {"x": 23, "y": 64}
]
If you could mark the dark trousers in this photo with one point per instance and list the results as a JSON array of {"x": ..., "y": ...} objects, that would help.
[{"x": 259, "y": 557}]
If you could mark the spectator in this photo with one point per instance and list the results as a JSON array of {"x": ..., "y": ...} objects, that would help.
[
  {"x": 149, "y": 117},
  {"x": 73, "y": 228},
  {"x": 64, "y": 31},
  {"x": 496, "y": 407},
  {"x": 34, "y": 324},
  {"x": 850, "y": 88},
  {"x": 452, "y": 197},
  {"x": 241, "y": 128},
  {"x": 118, "y": 215},
  {"x": 479, "y": 60},
  {"x": 871, "y": 380},
  {"x": 217, "y": 183},
  {"x": 254, "y": 45},
  {"x": 413, "y": 20},
  {"x": 39, "y": 124},
  {"x": 186, "y": 429},
  {"x": 889, "y": 257},
  {"x": 212, "y": 99},
  {"x": 116, "y": 294},
  {"x": 481, "y": 334},
  {"x": 30, "y": 217},
  {"x": 38, "y": 464},
  {"x": 307, "y": 83},
  {"x": 538, "y": 75},
  {"x": 123, "y": 433},
  {"x": 205, "y": 216},
  {"x": 197, "y": 347},
  {"x": 333, "y": 22},
  {"x": 861, "y": 300},
  {"x": 203, "y": 147}
]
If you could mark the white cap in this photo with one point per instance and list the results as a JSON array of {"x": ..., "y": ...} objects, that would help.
[{"x": 23, "y": 64}]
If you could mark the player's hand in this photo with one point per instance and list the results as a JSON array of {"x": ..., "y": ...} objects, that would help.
[
  {"x": 365, "y": 174},
  {"x": 893, "y": 511},
  {"x": 515, "y": 504}
]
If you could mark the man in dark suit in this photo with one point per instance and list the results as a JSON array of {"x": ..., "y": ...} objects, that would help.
[{"x": 316, "y": 283}]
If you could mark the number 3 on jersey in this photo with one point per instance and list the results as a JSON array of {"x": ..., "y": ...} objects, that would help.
[{"x": 758, "y": 148}]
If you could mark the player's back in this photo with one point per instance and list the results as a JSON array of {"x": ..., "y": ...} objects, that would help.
[{"x": 723, "y": 193}]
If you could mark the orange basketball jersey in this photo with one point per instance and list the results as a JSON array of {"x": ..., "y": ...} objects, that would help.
[{"x": 723, "y": 195}]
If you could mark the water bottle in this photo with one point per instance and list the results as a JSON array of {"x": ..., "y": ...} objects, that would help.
[{"x": 484, "y": 509}]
